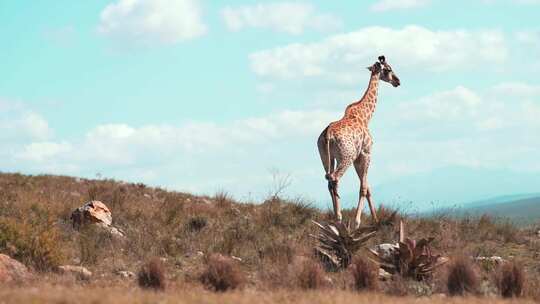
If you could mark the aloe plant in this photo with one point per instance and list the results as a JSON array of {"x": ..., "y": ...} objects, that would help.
[
  {"x": 338, "y": 242},
  {"x": 412, "y": 258}
]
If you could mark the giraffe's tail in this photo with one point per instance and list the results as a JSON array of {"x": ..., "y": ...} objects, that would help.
[{"x": 328, "y": 155}]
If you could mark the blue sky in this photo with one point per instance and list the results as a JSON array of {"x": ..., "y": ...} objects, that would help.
[{"x": 204, "y": 96}]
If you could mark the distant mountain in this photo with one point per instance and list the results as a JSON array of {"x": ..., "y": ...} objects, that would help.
[
  {"x": 525, "y": 211},
  {"x": 501, "y": 200},
  {"x": 452, "y": 186}
]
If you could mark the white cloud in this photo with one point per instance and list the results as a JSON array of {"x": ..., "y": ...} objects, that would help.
[
  {"x": 149, "y": 21},
  {"x": 19, "y": 123},
  {"x": 387, "y": 5},
  {"x": 339, "y": 57},
  {"x": 289, "y": 17},
  {"x": 41, "y": 151},
  {"x": 463, "y": 112}
]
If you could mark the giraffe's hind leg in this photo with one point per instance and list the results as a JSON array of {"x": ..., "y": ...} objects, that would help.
[
  {"x": 361, "y": 164},
  {"x": 329, "y": 163}
]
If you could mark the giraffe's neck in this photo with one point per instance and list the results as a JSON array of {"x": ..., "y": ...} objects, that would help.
[{"x": 365, "y": 107}]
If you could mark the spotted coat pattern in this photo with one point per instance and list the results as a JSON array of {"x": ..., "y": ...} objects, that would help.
[{"x": 348, "y": 142}]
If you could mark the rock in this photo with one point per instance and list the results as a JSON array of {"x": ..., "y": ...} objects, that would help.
[
  {"x": 125, "y": 274},
  {"x": 236, "y": 258},
  {"x": 98, "y": 214},
  {"x": 538, "y": 233},
  {"x": 496, "y": 260},
  {"x": 489, "y": 263},
  {"x": 91, "y": 212},
  {"x": 386, "y": 251},
  {"x": 12, "y": 270},
  {"x": 116, "y": 233},
  {"x": 384, "y": 275},
  {"x": 78, "y": 271}
]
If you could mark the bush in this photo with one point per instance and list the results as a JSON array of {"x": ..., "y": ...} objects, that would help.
[
  {"x": 510, "y": 280},
  {"x": 311, "y": 276},
  {"x": 222, "y": 274},
  {"x": 196, "y": 224},
  {"x": 365, "y": 275},
  {"x": 462, "y": 278},
  {"x": 34, "y": 240},
  {"x": 152, "y": 275}
]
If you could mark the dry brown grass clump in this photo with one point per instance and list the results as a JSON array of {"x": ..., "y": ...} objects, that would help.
[
  {"x": 462, "y": 277},
  {"x": 365, "y": 275},
  {"x": 222, "y": 274},
  {"x": 311, "y": 275},
  {"x": 152, "y": 275},
  {"x": 510, "y": 280}
]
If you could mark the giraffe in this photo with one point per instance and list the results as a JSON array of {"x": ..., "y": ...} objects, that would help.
[{"x": 348, "y": 142}]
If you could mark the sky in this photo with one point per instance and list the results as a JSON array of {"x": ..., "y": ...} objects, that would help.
[{"x": 209, "y": 96}]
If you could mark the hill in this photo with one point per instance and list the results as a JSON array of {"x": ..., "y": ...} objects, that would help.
[
  {"x": 452, "y": 186},
  {"x": 267, "y": 241},
  {"x": 522, "y": 210}
]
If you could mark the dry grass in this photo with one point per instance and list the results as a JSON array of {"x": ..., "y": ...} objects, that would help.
[
  {"x": 365, "y": 275},
  {"x": 152, "y": 275},
  {"x": 269, "y": 241},
  {"x": 222, "y": 274},
  {"x": 311, "y": 275},
  {"x": 462, "y": 277},
  {"x": 87, "y": 295},
  {"x": 510, "y": 280}
]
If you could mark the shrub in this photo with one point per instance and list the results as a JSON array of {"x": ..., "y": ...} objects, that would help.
[
  {"x": 311, "y": 276},
  {"x": 197, "y": 223},
  {"x": 152, "y": 275},
  {"x": 510, "y": 280},
  {"x": 222, "y": 274},
  {"x": 365, "y": 275},
  {"x": 92, "y": 241},
  {"x": 34, "y": 240},
  {"x": 462, "y": 278}
]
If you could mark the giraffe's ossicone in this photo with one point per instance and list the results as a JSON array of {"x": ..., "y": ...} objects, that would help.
[{"x": 347, "y": 141}]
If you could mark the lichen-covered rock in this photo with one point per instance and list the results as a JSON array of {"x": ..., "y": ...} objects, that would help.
[
  {"x": 91, "y": 212},
  {"x": 78, "y": 271},
  {"x": 12, "y": 270}
]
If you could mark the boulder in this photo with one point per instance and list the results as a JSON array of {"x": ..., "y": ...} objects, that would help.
[
  {"x": 12, "y": 270},
  {"x": 98, "y": 214},
  {"x": 91, "y": 212},
  {"x": 78, "y": 271}
]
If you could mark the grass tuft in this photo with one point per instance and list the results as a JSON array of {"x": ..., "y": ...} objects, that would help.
[
  {"x": 152, "y": 275},
  {"x": 311, "y": 275},
  {"x": 510, "y": 280},
  {"x": 462, "y": 278},
  {"x": 365, "y": 275},
  {"x": 222, "y": 274}
]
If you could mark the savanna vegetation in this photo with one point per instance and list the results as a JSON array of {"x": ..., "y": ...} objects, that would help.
[{"x": 193, "y": 249}]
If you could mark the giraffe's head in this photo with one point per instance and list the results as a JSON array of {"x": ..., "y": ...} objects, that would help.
[{"x": 385, "y": 71}]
